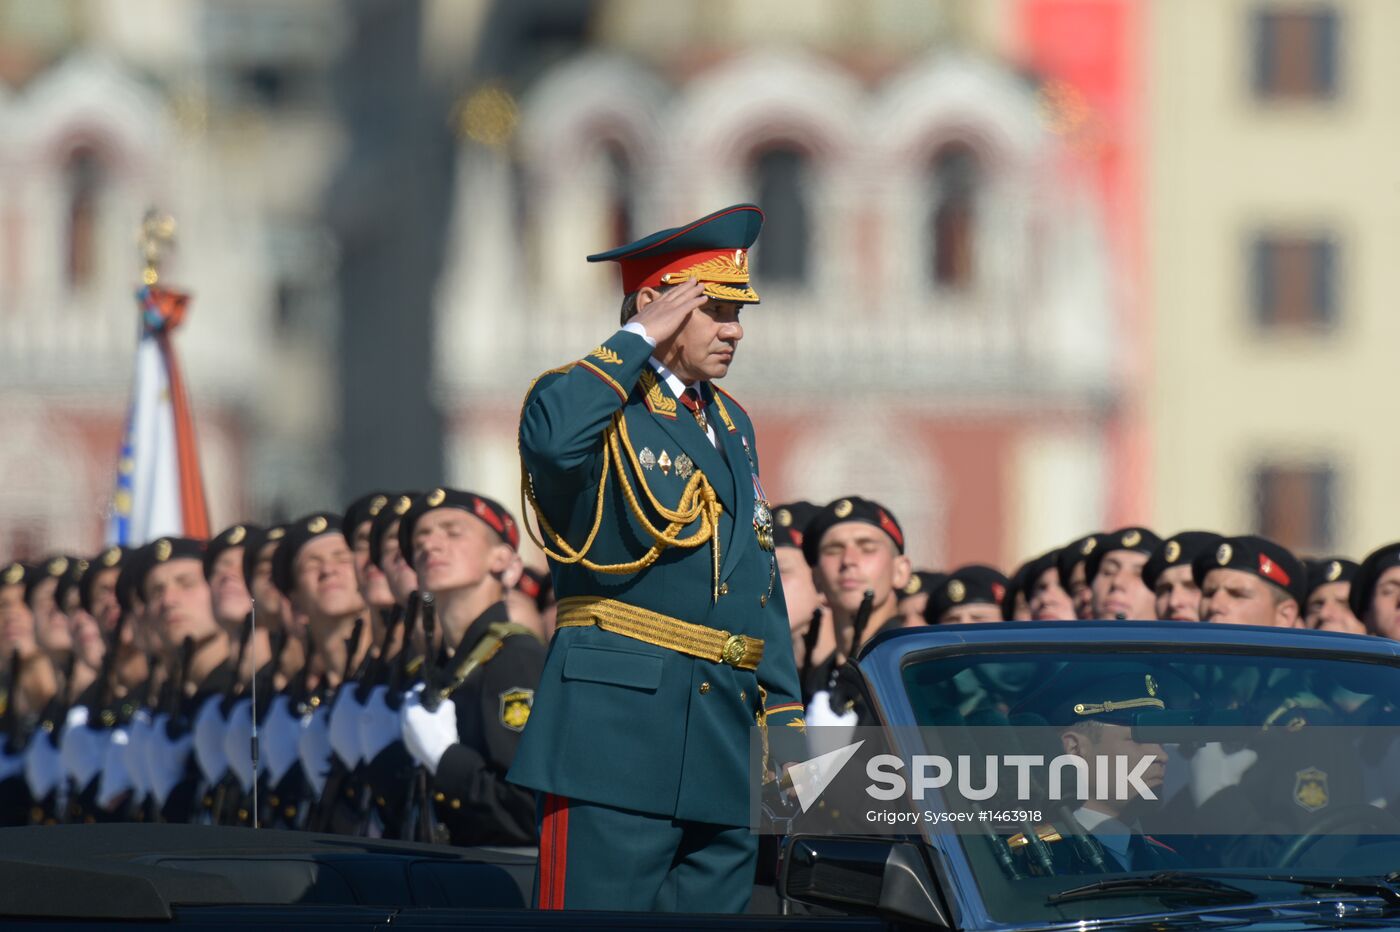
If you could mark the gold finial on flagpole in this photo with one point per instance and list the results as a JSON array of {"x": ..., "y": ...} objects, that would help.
[{"x": 156, "y": 239}]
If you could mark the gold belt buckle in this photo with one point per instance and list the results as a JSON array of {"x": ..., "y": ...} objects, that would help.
[{"x": 735, "y": 647}]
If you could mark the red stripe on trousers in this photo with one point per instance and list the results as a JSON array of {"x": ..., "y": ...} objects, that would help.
[{"x": 554, "y": 850}]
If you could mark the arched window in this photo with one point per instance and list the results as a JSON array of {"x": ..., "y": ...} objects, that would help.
[
  {"x": 780, "y": 180},
  {"x": 952, "y": 225},
  {"x": 621, "y": 196},
  {"x": 82, "y": 180}
]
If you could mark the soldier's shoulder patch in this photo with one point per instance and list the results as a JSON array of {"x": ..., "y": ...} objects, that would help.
[
  {"x": 516, "y": 703},
  {"x": 1310, "y": 789}
]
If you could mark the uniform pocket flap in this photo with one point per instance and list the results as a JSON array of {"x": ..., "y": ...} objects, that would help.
[{"x": 617, "y": 667}]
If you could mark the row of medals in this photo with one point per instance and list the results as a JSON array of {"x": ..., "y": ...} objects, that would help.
[{"x": 685, "y": 467}]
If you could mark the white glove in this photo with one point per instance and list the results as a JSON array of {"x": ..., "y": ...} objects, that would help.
[
  {"x": 345, "y": 725},
  {"x": 827, "y": 731},
  {"x": 81, "y": 748},
  {"x": 427, "y": 735},
  {"x": 169, "y": 759},
  {"x": 379, "y": 724},
  {"x": 209, "y": 729},
  {"x": 1212, "y": 770},
  {"x": 314, "y": 748},
  {"x": 134, "y": 755},
  {"x": 116, "y": 778},
  {"x": 277, "y": 741},
  {"x": 238, "y": 743},
  {"x": 43, "y": 767}
]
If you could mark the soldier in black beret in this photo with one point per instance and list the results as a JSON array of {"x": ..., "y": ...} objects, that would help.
[
  {"x": 1073, "y": 578},
  {"x": 855, "y": 546},
  {"x": 1250, "y": 580},
  {"x": 913, "y": 598},
  {"x": 1328, "y": 603},
  {"x": 356, "y": 525},
  {"x": 971, "y": 594},
  {"x": 29, "y": 687},
  {"x": 50, "y": 626},
  {"x": 384, "y": 549},
  {"x": 1014, "y": 604},
  {"x": 809, "y": 619},
  {"x": 1114, "y": 572},
  {"x": 97, "y": 590},
  {"x": 466, "y": 724},
  {"x": 1375, "y": 592},
  {"x": 1045, "y": 598},
  {"x": 223, "y": 568},
  {"x": 1169, "y": 575}
]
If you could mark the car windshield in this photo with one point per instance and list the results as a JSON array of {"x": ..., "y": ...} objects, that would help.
[{"x": 1268, "y": 766}]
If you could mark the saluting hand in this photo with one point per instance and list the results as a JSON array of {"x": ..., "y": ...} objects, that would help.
[{"x": 664, "y": 316}]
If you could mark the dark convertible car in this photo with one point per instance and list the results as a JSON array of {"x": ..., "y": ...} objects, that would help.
[{"x": 1277, "y": 843}]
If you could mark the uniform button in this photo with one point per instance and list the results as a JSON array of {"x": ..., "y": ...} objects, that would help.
[
  {"x": 379, "y": 800},
  {"x": 456, "y": 804},
  {"x": 743, "y": 696},
  {"x": 704, "y": 688},
  {"x": 762, "y": 601},
  {"x": 275, "y": 802},
  {"x": 724, "y": 588},
  {"x": 290, "y": 812},
  {"x": 243, "y": 815},
  {"x": 439, "y": 797}
]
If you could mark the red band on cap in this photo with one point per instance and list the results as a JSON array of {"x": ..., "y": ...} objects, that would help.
[
  {"x": 647, "y": 272},
  {"x": 1271, "y": 570},
  {"x": 998, "y": 591},
  {"x": 889, "y": 527}
]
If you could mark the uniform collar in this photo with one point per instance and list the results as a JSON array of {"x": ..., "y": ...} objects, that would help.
[
  {"x": 478, "y": 628},
  {"x": 673, "y": 381}
]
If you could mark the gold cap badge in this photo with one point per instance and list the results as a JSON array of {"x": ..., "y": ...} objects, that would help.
[
  {"x": 1223, "y": 555},
  {"x": 1132, "y": 539},
  {"x": 403, "y": 503},
  {"x": 111, "y": 556},
  {"x": 843, "y": 508},
  {"x": 376, "y": 504},
  {"x": 277, "y": 533},
  {"x": 784, "y": 517},
  {"x": 915, "y": 584},
  {"x": 235, "y": 536},
  {"x": 1088, "y": 546},
  {"x": 956, "y": 590},
  {"x": 57, "y": 566},
  {"x": 1334, "y": 571},
  {"x": 163, "y": 549},
  {"x": 1173, "y": 551},
  {"x": 317, "y": 524},
  {"x": 435, "y": 498},
  {"x": 13, "y": 574}
]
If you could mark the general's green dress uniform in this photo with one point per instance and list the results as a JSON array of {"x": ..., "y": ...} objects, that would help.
[{"x": 672, "y": 639}]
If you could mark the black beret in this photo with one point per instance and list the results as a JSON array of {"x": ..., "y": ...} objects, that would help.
[
  {"x": 1178, "y": 550},
  {"x": 163, "y": 550},
  {"x": 1013, "y": 587},
  {"x": 258, "y": 538},
  {"x": 1137, "y": 539},
  {"x": 18, "y": 574},
  {"x": 230, "y": 537},
  {"x": 1363, "y": 587},
  {"x": 1333, "y": 569},
  {"x": 1257, "y": 556},
  {"x": 132, "y": 568},
  {"x": 71, "y": 579},
  {"x": 790, "y": 523},
  {"x": 393, "y": 510},
  {"x": 361, "y": 510},
  {"x": 538, "y": 585},
  {"x": 492, "y": 512},
  {"x": 967, "y": 585},
  {"x": 921, "y": 582},
  {"x": 850, "y": 508},
  {"x": 1073, "y": 554},
  {"x": 114, "y": 557},
  {"x": 299, "y": 533},
  {"x": 1026, "y": 577},
  {"x": 53, "y": 567}
]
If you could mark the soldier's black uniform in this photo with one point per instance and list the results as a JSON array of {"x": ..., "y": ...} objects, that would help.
[{"x": 186, "y": 799}]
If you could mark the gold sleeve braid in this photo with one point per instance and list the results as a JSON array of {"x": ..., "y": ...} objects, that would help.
[{"x": 697, "y": 501}]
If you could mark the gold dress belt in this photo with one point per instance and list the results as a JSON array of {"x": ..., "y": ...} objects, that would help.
[{"x": 661, "y": 630}]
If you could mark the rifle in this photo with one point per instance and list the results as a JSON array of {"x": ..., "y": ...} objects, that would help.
[
  {"x": 430, "y": 653},
  {"x": 376, "y": 671},
  {"x": 174, "y": 699},
  {"x": 399, "y": 676},
  {"x": 105, "y": 689},
  {"x": 842, "y": 690},
  {"x": 235, "y": 688},
  {"x": 809, "y": 644},
  {"x": 352, "y": 647}
]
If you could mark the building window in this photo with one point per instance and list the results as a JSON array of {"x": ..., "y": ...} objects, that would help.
[
  {"x": 620, "y": 205},
  {"x": 952, "y": 223},
  {"x": 83, "y": 180},
  {"x": 1297, "y": 506},
  {"x": 1295, "y": 53},
  {"x": 1294, "y": 281},
  {"x": 780, "y": 176}
]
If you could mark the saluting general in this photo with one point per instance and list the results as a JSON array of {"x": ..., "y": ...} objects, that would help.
[{"x": 672, "y": 639}]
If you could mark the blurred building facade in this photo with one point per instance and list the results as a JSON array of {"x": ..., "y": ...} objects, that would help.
[
  {"x": 949, "y": 266},
  {"x": 1273, "y": 279},
  {"x": 105, "y": 110}
]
